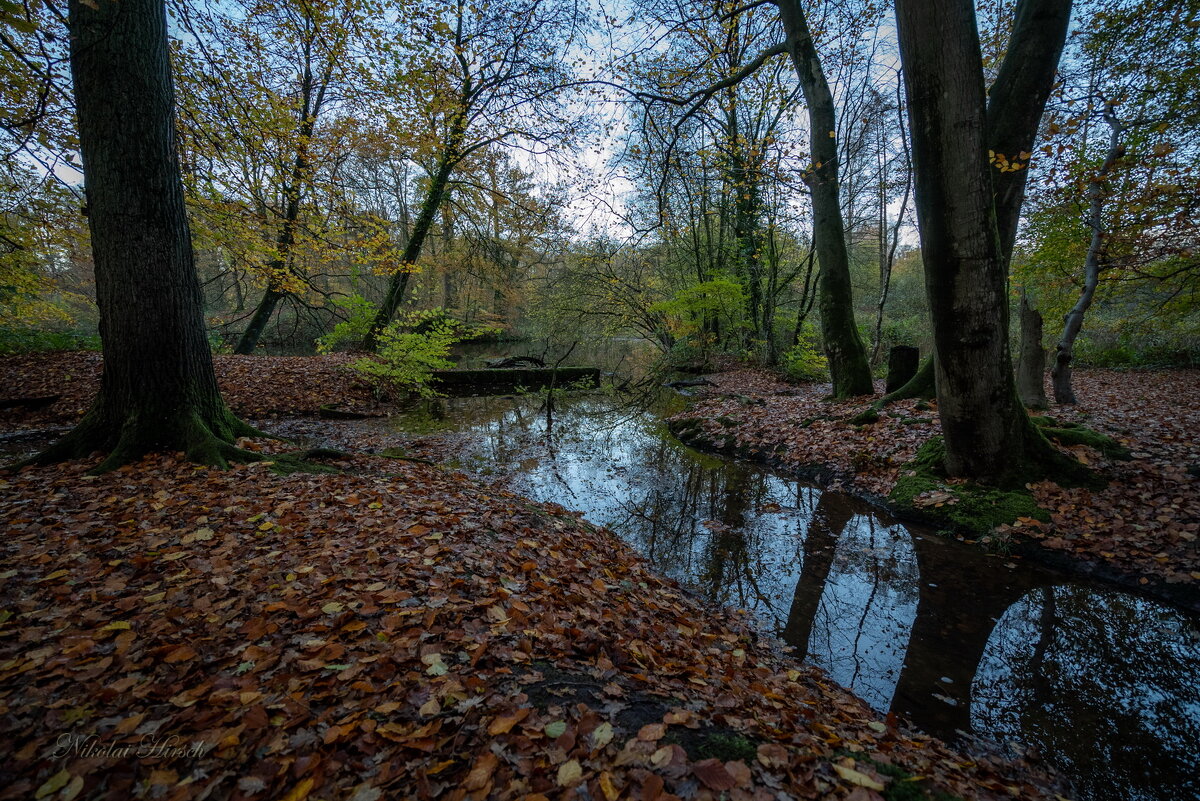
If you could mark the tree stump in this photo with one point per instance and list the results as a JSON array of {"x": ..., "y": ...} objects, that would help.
[
  {"x": 1031, "y": 363},
  {"x": 903, "y": 361}
]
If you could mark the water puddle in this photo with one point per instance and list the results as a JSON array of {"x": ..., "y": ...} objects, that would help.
[{"x": 1104, "y": 684}]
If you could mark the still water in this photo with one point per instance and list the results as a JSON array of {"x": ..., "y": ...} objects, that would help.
[{"x": 1104, "y": 685}]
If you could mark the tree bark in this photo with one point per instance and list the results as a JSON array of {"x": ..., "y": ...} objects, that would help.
[
  {"x": 1031, "y": 364},
  {"x": 1064, "y": 351},
  {"x": 987, "y": 433},
  {"x": 844, "y": 348},
  {"x": 158, "y": 391}
]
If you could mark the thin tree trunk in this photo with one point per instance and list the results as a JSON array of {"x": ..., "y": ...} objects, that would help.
[
  {"x": 293, "y": 194},
  {"x": 885, "y": 277},
  {"x": 1064, "y": 351},
  {"x": 412, "y": 250},
  {"x": 807, "y": 298},
  {"x": 848, "y": 365},
  {"x": 158, "y": 391}
]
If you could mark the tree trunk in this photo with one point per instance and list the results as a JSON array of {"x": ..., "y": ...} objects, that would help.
[
  {"x": 412, "y": 252},
  {"x": 847, "y": 356},
  {"x": 421, "y": 227},
  {"x": 1064, "y": 352},
  {"x": 987, "y": 433},
  {"x": 158, "y": 391},
  {"x": 1031, "y": 364},
  {"x": 258, "y": 323},
  {"x": 313, "y": 98}
]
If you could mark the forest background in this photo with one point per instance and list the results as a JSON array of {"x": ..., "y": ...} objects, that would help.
[{"x": 542, "y": 169}]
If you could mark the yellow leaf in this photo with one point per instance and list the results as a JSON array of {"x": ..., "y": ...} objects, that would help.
[
  {"x": 332, "y": 608},
  {"x": 854, "y": 777},
  {"x": 300, "y": 791},
  {"x": 117, "y": 625},
  {"x": 430, "y": 707},
  {"x": 56, "y": 574},
  {"x": 569, "y": 773},
  {"x": 602, "y": 735},
  {"x": 54, "y": 783},
  {"x": 199, "y": 535},
  {"x": 72, "y": 789},
  {"x": 606, "y": 786}
]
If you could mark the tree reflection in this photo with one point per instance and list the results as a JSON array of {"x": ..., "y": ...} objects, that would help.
[{"x": 1106, "y": 685}]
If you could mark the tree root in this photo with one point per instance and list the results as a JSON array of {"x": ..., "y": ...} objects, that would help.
[
  {"x": 208, "y": 442},
  {"x": 921, "y": 385}
]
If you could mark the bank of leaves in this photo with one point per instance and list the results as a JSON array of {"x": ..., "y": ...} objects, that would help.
[
  {"x": 1145, "y": 522},
  {"x": 394, "y": 631}
]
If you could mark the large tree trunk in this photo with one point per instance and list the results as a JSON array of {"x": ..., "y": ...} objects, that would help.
[
  {"x": 1064, "y": 351},
  {"x": 158, "y": 391},
  {"x": 1031, "y": 364},
  {"x": 848, "y": 365},
  {"x": 964, "y": 227}
]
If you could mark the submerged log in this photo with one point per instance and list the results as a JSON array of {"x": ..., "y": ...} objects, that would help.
[
  {"x": 30, "y": 404},
  {"x": 515, "y": 361},
  {"x": 689, "y": 382},
  {"x": 329, "y": 411}
]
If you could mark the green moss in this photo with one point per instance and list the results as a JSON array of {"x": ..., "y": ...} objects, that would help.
[
  {"x": 723, "y": 744},
  {"x": 866, "y": 416},
  {"x": 904, "y": 786},
  {"x": 972, "y": 508},
  {"x": 286, "y": 465},
  {"x": 1078, "y": 435},
  {"x": 726, "y": 747}
]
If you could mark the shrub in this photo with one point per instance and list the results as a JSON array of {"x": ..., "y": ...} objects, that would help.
[
  {"x": 410, "y": 349},
  {"x": 360, "y": 313},
  {"x": 32, "y": 340},
  {"x": 804, "y": 361}
]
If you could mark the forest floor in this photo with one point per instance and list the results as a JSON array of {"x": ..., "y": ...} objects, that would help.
[
  {"x": 388, "y": 630},
  {"x": 1142, "y": 528}
]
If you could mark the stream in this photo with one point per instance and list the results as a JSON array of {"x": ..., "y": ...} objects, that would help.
[{"x": 1103, "y": 684}]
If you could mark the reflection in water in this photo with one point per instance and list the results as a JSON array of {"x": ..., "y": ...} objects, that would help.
[
  {"x": 1095, "y": 679},
  {"x": 1105, "y": 685},
  {"x": 860, "y": 629}
]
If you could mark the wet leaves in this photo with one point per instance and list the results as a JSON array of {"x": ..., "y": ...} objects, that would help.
[{"x": 343, "y": 652}]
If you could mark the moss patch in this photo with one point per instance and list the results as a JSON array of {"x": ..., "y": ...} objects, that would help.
[
  {"x": 1075, "y": 434},
  {"x": 726, "y": 746},
  {"x": 968, "y": 507}
]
